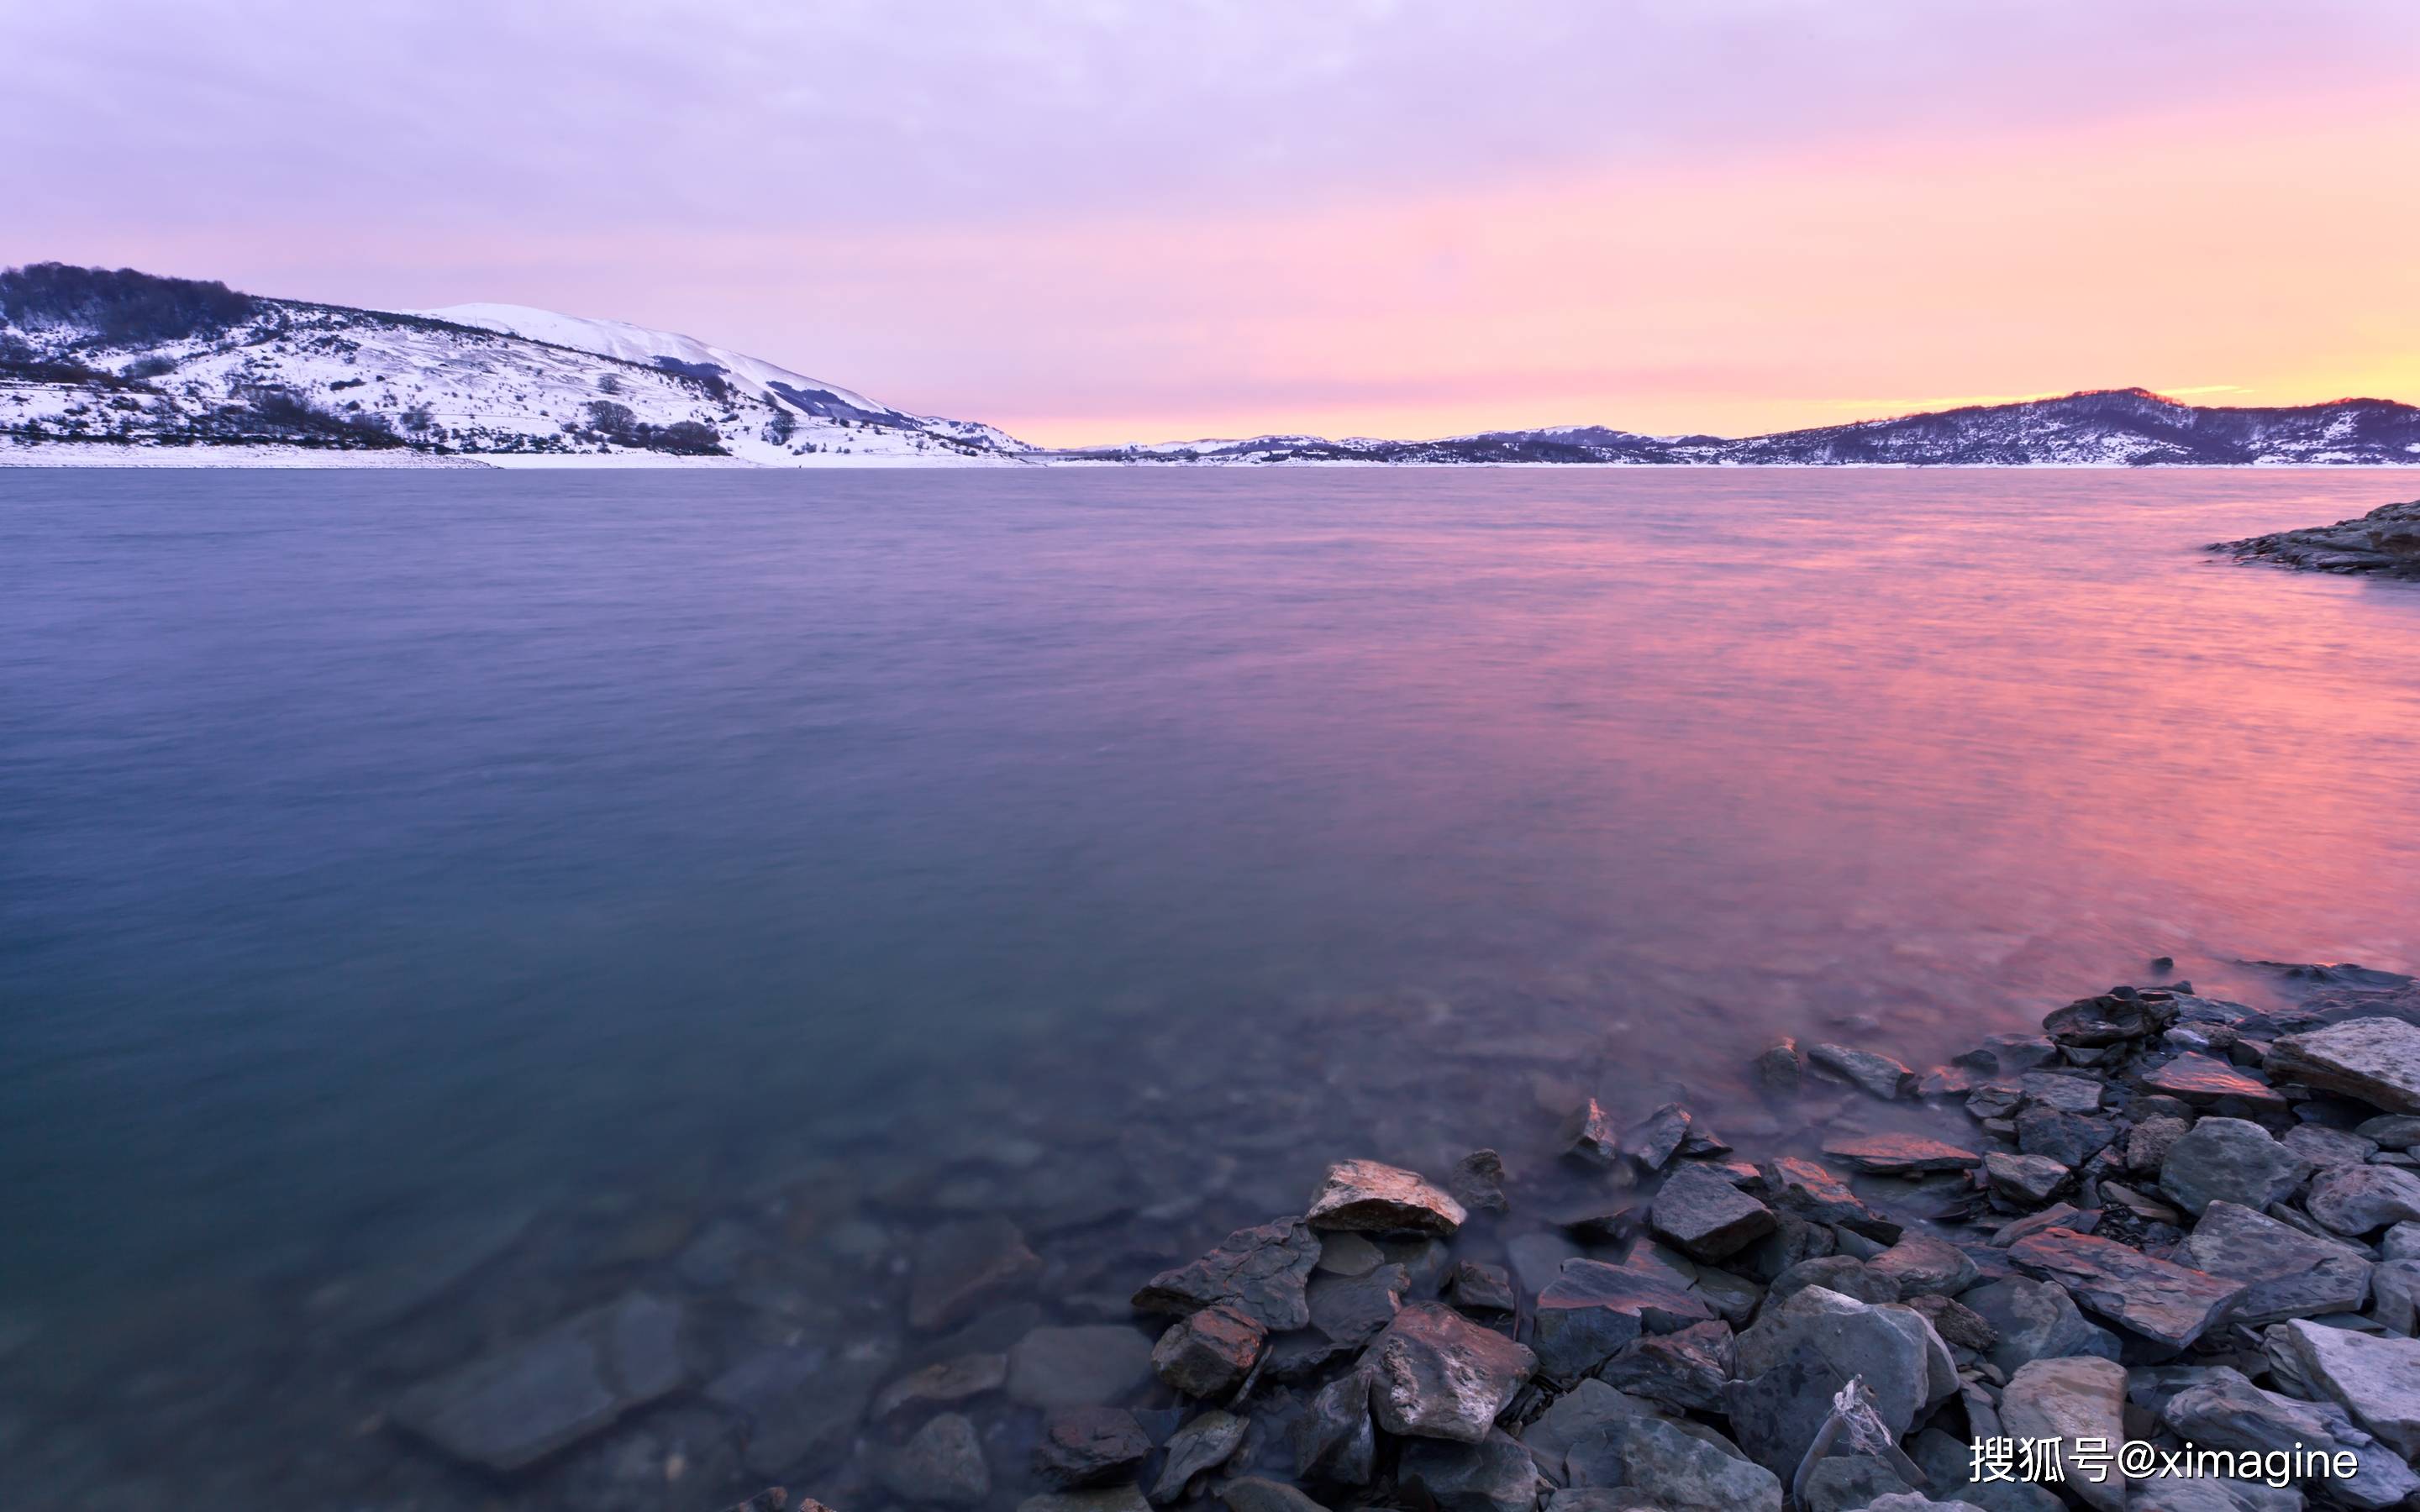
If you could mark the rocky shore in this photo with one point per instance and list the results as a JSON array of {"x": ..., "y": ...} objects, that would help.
[
  {"x": 2385, "y": 541},
  {"x": 2166, "y": 1220}
]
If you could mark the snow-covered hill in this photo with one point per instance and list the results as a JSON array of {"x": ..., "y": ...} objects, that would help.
[
  {"x": 124, "y": 356},
  {"x": 2102, "y": 428}
]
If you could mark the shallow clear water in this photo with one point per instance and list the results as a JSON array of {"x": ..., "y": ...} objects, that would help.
[{"x": 385, "y": 853}]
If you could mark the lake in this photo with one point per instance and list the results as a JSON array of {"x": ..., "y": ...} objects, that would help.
[{"x": 713, "y": 880}]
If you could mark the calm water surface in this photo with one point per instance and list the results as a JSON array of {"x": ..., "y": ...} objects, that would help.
[{"x": 386, "y": 855}]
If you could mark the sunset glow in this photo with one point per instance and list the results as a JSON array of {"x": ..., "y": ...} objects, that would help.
[{"x": 1197, "y": 221}]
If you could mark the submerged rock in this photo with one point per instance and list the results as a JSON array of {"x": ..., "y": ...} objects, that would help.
[
  {"x": 1086, "y": 1366},
  {"x": 1365, "y": 1196},
  {"x": 943, "y": 1384},
  {"x": 799, "y": 1400},
  {"x": 1435, "y": 1374},
  {"x": 942, "y": 1465},
  {"x": 1087, "y": 1446},
  {"x": 524, "y": 1403},
  {"x": 961, "y": 1268}
]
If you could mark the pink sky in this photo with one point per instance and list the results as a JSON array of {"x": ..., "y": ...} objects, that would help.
[{"x": 1099, "y": 221}]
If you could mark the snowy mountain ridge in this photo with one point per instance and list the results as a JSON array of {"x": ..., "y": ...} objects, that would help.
[{"x": 89, "y": 355}]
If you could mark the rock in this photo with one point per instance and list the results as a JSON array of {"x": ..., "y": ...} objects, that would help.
[
  {"x": 1087, "y": 1446},
  {"x": 1348, "y": 1253},
  {"x": 2057, "y": 1215},
  {"x": 1538, "y": 1258},
  {"x": 2230, "y": 1160},
  {"x": 2035, "y": 1320},
  {"x": 1352, "y": 1309},
  {"x": 804, "y": 1400},
  {"x": 1262, "y": 1272},
  {"x": 1960, "y": 1326},
  {"x": 942, "y": 1465},
  {"x": 1253, "y": 1493},
  {"x": 1911, "y": 1502},
  {"x": 2068, "y": 1138},
  {"x": 2292, "y": 1274},
  {"x": 1334, "y": 1439},
  {"x": 1495, "y": 1474},
  {"x": 1365, "y": 1196},
  {"x": 1839, "y": 1482},
  {"x": 2198, "y": 1079},
  {"x": 1803, "y": 1189},
  {"x": 2149, "y": 1142},
  {"x": 1816, "y": 1342},
  {"x": 1435, "y": 1374},
  {"x": 2221, "y": 1410},
  {"x": 2028, "y": 1178},
  {"x": 945, "y": 1384},
  {"x": 1843, "y": 1274},
  {"x": 1921, "y": 1266},
  {"x": 773, "y": 1498},
  {"x": 2092, "y": 1022},
  {"x": 1588, "y": 1135},
  {"x": 1891, "y": 1154},
  {"x": 1476, "y": 1181},
  {"x": 1874, "y": 1074},
  {"x": 1108, "y": 1499},
  {"x": 2401, "y": 1242},
  {"x": 2392, "y": 1130},
  {"x": 2323, "y": 1147},
  {"x": 1476, "y": 1288},
  {"x": 1686, "y": 1372},
  {"x": 1995, "y": 1100},
  {"x": 1087, "y": 1365},
  {"x": 515, "y": 1407},
  {"x": 2361, "y": 1199},
  {"x": 1706, "y": 1216},
  {"x": 1573, "y": 1416},
  {"x": 961, "y": 1268},
  {"x": 2061, "y": 1093},
  {"x": 1209, "y": 1354},
  {"x": 2164, "y": 1303},
  {"x": 2376, "y": 1061},
  {"x": 1198, "y": 1448},
  {"x": 1668, "y": 1467},
  {"x": 2078, "y": 1398},
  {"x": 2210, "y": 1493},
  {"x": 1592, "y": 1309},
  {"x": 1949, "y": 1465},
  {"x": 1656, "y": 1139},
  {"x": 2376, "y": 1380},
  {"x": 1778, "y": 1068},
  {"x": 2395, "y": 1296}
]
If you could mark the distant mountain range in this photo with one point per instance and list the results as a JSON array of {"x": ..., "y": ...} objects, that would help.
[{"x": 94, "y": 355}]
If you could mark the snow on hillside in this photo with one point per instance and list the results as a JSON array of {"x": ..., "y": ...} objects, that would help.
[{"x": 90, "y": 356}]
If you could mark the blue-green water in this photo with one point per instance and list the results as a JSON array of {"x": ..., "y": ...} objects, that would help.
[{"x": 384, "y": 851}]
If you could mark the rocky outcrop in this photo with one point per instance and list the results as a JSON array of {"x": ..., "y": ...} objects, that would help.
[{"x": 2385, "y": 541}]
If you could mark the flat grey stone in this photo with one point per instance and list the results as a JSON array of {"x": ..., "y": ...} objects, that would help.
[
  {"x": 2061, "y": 1093},
  {"x": 2028, "y": 1178},
  {"x": 514, "y": 1407},
  {"x": 2376, "y": 1061},
  {"x": 1923, "y": 1266},
  {"x": 1593, "y": 1308},
  {"x": 1495, "y": 1474},
  {"x": 2035, "y": 1320},
  {"x": 1210, "y": 1352},
  {"x": 941, "y": 1465},
  {"x": 1671, "y": 1469},
  {"x": 2200, "y": 1079},
  {"x": 2361, "y": 1199},
  {"x": 1895, "y": 1154},
  {"x": 1706, "y": 1216},
  {"x": 1352, "y": 1309},
  {"x": 1086, "y": 1366},
  {"x": 2222, "y": 1409},
  {"x": 1201, "y": 1447},
  {"x": 2168, "y": 1303},
  {"x": 1254, "y": 1493},
  {"x": 2324, "y": 1147},
  {"x": 2292, "y": 1274},
  {"x": 1334, "y": 1439},
  {"x": 2077, "y": 1397},
  {"x": 2068, "y": 1138},
  {"x": 2376, "y": 1380},
  {"x": 1877, "y": 1076},
  {"x": 2230, "y": 1160}
]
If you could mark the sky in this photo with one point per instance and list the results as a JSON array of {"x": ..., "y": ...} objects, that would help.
[{"x": 1090, "y": 220}]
